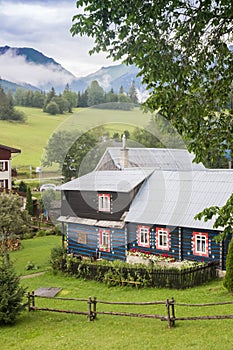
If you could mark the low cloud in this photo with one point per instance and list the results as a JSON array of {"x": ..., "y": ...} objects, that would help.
[{"x": 16, "y": 69}]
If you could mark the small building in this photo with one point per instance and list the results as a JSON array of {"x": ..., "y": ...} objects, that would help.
[
  {"x": 145, "y": 199},
  {"x": 5, "y": 165}
]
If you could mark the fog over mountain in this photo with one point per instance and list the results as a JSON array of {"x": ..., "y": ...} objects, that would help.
[{"x": 28, "y": 66}]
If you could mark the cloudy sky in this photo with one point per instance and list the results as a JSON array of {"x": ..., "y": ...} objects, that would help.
[{"x": 45, "y": 26}]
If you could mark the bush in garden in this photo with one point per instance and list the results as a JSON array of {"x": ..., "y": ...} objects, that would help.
[
  {"x": 11, "y": 293},
  {"x": 228, "y": 279},
  {"x": 56, "y": 258}
]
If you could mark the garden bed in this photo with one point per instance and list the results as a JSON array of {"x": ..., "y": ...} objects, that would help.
[{"x": 137, "y": 275}]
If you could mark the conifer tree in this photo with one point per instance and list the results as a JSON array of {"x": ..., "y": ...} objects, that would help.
[
  {"x": 11, "y": 293},
  {"x": 228, "y": 279},
  {"x": 29, "y": 202}
]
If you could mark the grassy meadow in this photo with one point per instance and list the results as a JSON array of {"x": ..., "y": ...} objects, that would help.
[
  {"x": 32, "y": 136},
  {"x": 50, "y": 330}
]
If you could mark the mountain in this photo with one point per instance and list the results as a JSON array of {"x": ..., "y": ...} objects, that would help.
[
  {"x": 8, "y": 85},
  {"x": 29, "y": 67},
  {"x": 112, "y": 77}
]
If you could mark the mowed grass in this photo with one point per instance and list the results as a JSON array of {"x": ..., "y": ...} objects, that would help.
[
  {"x": 32, "y": 136},
  {"x": 50, "y": 330},
  {"x": 36, "y": 250}
]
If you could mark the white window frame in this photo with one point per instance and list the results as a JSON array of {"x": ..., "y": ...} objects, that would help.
[
  {"x": 162, "y": 238},
  {"x": 2, "y": 166},
  {"x": 104, "y": 202},
  {"x": 104, "y": 240},
  {"x": 200, "y": 244},
  {"x": 144, "y": 236}
]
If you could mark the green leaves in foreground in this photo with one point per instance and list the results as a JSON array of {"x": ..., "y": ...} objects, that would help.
[{"x": 223, "y": 215}]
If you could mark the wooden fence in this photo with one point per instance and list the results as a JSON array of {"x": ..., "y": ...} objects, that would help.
[
  {"x": 140, "y": 276},
  {"x": 92, "y": 312}
]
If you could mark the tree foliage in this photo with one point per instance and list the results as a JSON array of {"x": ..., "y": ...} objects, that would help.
[
  {"x": 228, "y": 279},
  {"x": 29, "y": 201},
  {"x": 68, "y": 149},
  {"x": 95, "y": 94},
  {"x": 224, "y": 217},
  {"x": 47, "y": 199},
  {"x": 12, "y": 219},
  {"x": 7, "y": 110},
  {"x": 11, "y": 293},
  {"x": 182, "y": 49}
]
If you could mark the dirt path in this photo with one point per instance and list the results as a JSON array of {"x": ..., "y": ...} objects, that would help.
[{"x": 33, "y": 275}]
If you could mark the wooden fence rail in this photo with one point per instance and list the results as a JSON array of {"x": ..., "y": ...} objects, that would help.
[{"x": 92, "y": 312}]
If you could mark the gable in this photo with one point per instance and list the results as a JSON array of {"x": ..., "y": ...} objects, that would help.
[{"x": 156, "y": 158}]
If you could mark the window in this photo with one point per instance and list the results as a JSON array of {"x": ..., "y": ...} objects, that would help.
[
  {"x": 104, "y": 202},
  {"x": 162, "y": 238},
  {"x": 200, "y": 244},
  {"x": 2, "y": 166},
  {"x": 104, "y": 240},
  {"x": 144, "y": 236},
  {"x": 2, "y": 183}
]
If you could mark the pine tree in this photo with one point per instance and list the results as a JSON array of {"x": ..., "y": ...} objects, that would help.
[
  {"x": 29, "y": 202},
  {"x": 133, "y": 93},
  {"x": 11, "y": 293},
  {"x": 228, "y": 279}
]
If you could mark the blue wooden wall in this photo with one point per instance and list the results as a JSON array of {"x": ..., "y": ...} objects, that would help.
[
  {"x": 90, "y": 249},
  {"x": 181, "y": 249},
  {"x": 178, "y": 248}
]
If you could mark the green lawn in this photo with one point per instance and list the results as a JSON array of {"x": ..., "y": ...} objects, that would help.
[
  {"x": 33, "y": 136},
  {"x": 35, "y": 250},
  {"x": 47, "y": 330}
]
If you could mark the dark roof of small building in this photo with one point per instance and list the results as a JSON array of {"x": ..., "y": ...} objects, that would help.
[
  {"x": 173, "y": 198},
  {"x": 156, "y": 158},
  {"x": 11, "y": 149},
  {"x": 112, "y": 181}
]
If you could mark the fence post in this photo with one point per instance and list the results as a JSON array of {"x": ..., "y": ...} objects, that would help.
[
  {"x": 173, "y": 312},
  {"x": 29, "y": 301},
  {"x": 168, "y": 313},
  {"x": 94, "y": 308},
  {"x": 33, "y": 300},
  {"x": 89, "y": 302}
]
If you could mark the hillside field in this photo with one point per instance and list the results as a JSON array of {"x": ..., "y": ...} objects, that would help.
[{"x": 32, "y": 136}]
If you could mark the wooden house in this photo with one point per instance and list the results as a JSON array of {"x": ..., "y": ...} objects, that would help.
[
  {"x": 161, "y": 217},
  {"x": 145, "y": 199},
  {"x": 5, "y": 165}
]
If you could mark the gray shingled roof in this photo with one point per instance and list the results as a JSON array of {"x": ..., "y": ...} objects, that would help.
[
  {"x": 174, "y": 197},
  {"x": 157, "y": 158},
  {"x": 113, "y": 181}
]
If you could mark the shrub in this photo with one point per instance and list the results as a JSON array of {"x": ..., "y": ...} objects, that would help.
[
  {"x": 31, "y": 266},
  {"x": 56, "y": 258},
  {"x": 11, "y": 294},
  {"x": 27, "y": 235},
  {"x": 40, "y": 233},
  {"x": 228, "y": 279}
]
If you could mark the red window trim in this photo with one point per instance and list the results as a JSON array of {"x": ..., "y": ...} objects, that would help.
[
  {"x": 168, "y": 238},
  {"x": 206, "y": 254},
  {"x": 109, "y": 199},
  {"x": 142, "y": 244},
  {"x": 101, "y": 248}
]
